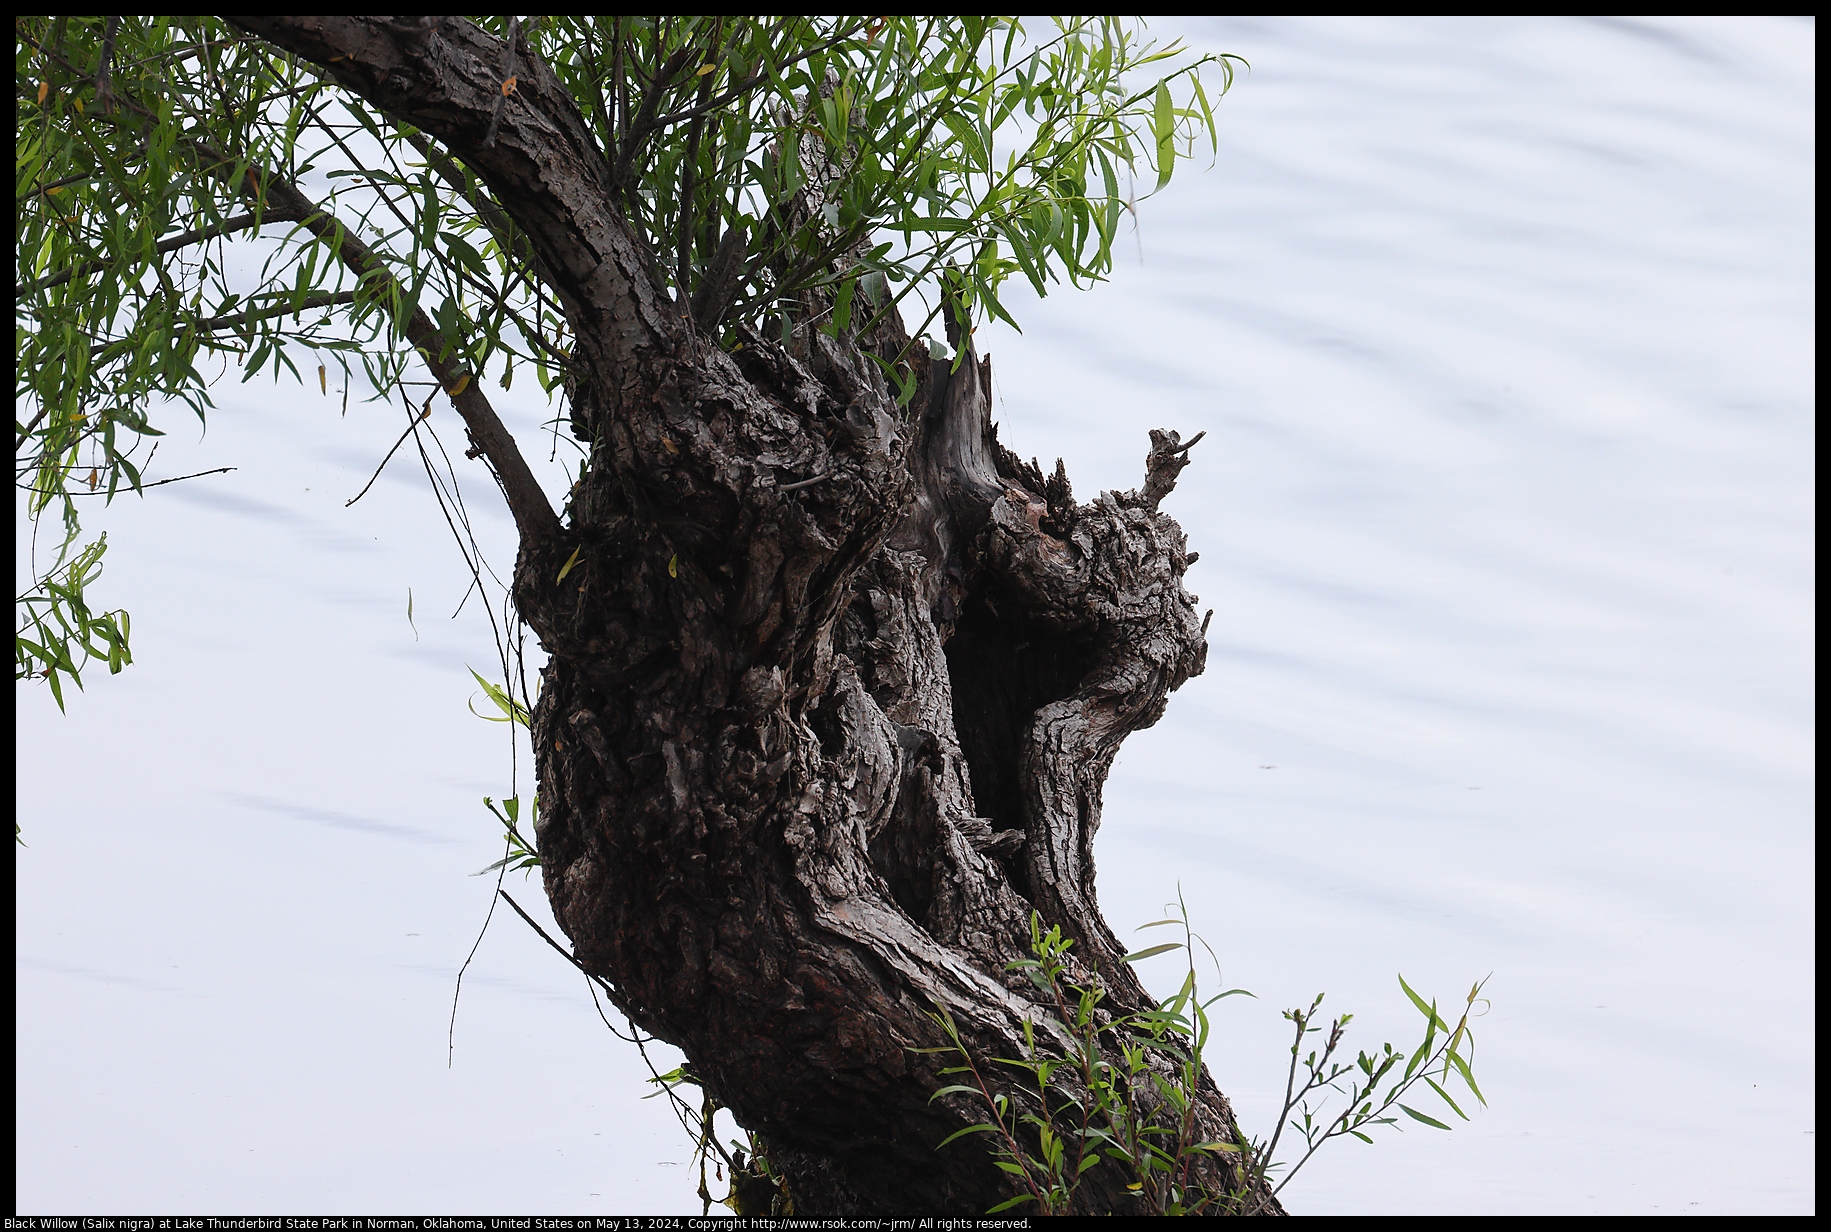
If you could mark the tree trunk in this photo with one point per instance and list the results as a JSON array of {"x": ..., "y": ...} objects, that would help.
[{"x": 834, "y": 685}]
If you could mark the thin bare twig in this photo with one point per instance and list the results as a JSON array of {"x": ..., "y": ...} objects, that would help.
[
  {"x": 158, "y": 483},
  {"x": 564, "y": 953},
  {"x": 311, "y": 303},
  {"x": 534, "y": 517},
  {"x": 425, "y": 413}
]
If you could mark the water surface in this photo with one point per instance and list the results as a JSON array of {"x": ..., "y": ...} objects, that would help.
[{"x": 1500, "y": 332}]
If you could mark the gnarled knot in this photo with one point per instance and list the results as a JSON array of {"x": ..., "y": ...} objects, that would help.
[
  {"x": 759, "y": 691},
  {"x": 981, "y": 837},
  {"x": 1169, "y": 454}
]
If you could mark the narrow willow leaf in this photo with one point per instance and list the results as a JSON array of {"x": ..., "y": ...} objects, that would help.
[
  {"x": 1429, "y": 1011},
  {"x": 1462, "y": 1067},
  {"x": 1446, "y": 1098},
  {"x": 1164, "y": 125},
  {"x": 513, "y": 711},
  {"x": 1419, "y": 1116},
  {"x": 956, "y": 1089}
]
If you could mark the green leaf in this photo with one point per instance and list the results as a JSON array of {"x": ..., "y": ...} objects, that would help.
[
  {"x": 1163, "y": 125},
  {"x": 1201, "y": 98},
  {"x": 842, "y": 304},
  {"x": 971, "y": 1129},
  {"x": 467, "y": 257},
  {"x": 1462, "y": 1067},
  {"x": 1445, "y": 1097},
  {"x": 513, "y": 711},
  {"x": 1429, "y": 1011},
  {"x": 1153, "y": 950},
  {"x": 956, "y": 1089},
  {"x": 1419, "y": 1116}
]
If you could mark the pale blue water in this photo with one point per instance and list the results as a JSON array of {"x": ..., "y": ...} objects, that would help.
[{"x": 1500, "y": 330}]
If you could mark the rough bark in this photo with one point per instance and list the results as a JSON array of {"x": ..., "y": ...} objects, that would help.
[{"x": 834, "y": 685}]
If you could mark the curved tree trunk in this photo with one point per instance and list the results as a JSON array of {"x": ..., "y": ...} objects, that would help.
[{"x": 834, "y": 685}]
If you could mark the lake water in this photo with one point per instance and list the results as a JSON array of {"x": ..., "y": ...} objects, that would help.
[{"x": 1500, "y": 330}]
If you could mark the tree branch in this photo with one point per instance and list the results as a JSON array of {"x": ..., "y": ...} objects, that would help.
[
  {"x": 689, "y": 181},
  {"x": 546, "y": 170},
  {"x": 241, "y": 223},
  {"x": 221, "y": 470},
  {"x": 310, "y": 303},
  {"x": 644, "y": 123},
  {"x": 1169, "y": 454},
  {"x": 507, "y": 235},
  {"x": 738, "y": 89},
  {"x": 534, "y": 516},
  {"x": 103, "y": 94}
]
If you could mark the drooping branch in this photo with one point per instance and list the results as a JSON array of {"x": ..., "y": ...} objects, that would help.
[
  {"x": 278, "y": 196},
  {"x": 241, "y": 222},
  {"x": 544, "y": 167},
  {"x": 276, "y": 199},
  {"x": 508, "y": 237},
  {"x": 311, "y": 303}
]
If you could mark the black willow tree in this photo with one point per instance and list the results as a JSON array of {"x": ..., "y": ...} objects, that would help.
[{"x": 835, "y": 678}]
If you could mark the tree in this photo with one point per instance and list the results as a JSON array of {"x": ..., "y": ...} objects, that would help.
[{"x": 835, "y": 678}]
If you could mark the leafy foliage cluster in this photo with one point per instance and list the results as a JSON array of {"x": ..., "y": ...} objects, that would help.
[
  {"x": 805, "y": 139},
  {"x": 758, "y": 159},
  {"x": 1132, "y": 1084}
]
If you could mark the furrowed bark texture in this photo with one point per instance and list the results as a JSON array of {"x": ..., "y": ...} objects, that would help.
[{"x": 834, "y": 684}]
